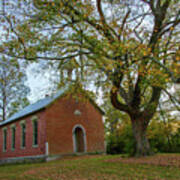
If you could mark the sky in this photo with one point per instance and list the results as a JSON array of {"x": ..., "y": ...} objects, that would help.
[{"x": 39, "y": 83}]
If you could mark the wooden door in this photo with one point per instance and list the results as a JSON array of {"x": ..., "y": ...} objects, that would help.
[{"x": 79, "y": 137}]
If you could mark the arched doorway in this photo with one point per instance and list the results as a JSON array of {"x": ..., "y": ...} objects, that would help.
[{"x": 79, "y": 139}]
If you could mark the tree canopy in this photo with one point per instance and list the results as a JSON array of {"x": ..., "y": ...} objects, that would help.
[
  {"x": 131, "y": 48},
  {"x": 13, "y": 91}
]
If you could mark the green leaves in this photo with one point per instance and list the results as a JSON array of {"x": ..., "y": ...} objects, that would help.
[{"x": 13, "y": 91}]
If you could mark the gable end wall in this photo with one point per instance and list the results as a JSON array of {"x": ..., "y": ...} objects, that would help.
[{"x": 60, "y": 120}]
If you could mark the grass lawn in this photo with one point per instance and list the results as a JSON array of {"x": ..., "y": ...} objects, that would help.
[{"x": 96, "y": 167}]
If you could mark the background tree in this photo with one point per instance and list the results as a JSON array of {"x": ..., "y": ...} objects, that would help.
[
  {"x": 130, "y": 48},
  {"x": 13, "y": 91},
  {"x": 118, "y": 130},
  {"x": 163, "y": 131}
]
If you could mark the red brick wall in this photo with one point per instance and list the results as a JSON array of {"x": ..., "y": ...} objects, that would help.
[
  {"x": 55, "y": 125},
  {"x": 60, "y": 120},
  {"x": 29, "y": 150}
]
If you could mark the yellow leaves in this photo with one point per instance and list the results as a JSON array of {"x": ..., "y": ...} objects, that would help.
[
  {"x": 142, "y": 50},
  {"x": 177, "y": 58},
  {"x": 114, "y": 23},
  {"x": 109, "y": 67},
  {"x": 171, "y": 28},
  {"x": 149, "y": 50},
  {"x": 119, "y": 31},
  {"x": 22, "y": 39},
  {"x": 174, "y": 127},
  {"x": 61, "y": 4},
  {"x": 120, "y": 63},
  {"x": 126, "y": 83},
  {"x": 175, "y": 68},
  {"x": 145, "y": 53},
  {"x": 114, "y": 89},
  {"x": 166, "y": 79},
  {"x": 85, "y": 15}
]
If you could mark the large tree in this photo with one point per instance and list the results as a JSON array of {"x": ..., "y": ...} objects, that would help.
[
  {"x": 131, "y": 48},
  {"x": 13, "y": 91}
]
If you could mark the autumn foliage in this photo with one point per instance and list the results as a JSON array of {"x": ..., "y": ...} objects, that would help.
[{"x": 129, "y": 48}]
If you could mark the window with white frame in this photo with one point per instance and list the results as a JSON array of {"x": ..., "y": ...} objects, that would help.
[
  {"x": 13, "y": 137},
  {"x": 35, "y": 132},
  {"x": 4, "y": 139},
  {"x": 23, "y": 135}
]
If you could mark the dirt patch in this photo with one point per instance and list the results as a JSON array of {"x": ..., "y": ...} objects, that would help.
[{"x": 158, "y": 160}]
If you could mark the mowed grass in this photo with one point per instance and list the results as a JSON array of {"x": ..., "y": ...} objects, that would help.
[{"x": 100, "y": 167}]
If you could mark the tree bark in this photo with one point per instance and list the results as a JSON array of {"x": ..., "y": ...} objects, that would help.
[
  {"x": 139, "y": 119},
  {"x": 142, "y": 147}
]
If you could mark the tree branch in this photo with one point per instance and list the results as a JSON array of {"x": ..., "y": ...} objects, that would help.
[
  {"x": 153, "y": 103},
  {"x": 20, "y": 39},
  {"x": 116, "y": 103},
  {"x": 105, "y": 29},
  {"x": 173, "y": 99},
  {"x": 170, "y": 73},
  {"x": 45, "y": 57},
  {"x": 125, "y": 19},
  {"x": 101, "y": 14},
  {"x": 137, "y": 93}
]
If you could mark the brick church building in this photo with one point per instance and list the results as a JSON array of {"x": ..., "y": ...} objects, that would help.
[{"x": 54, "y": 126}]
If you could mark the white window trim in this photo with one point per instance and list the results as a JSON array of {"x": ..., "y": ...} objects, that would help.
[
  {"x": 23, "y": 122},
  {"x": 47, "y": 149},
  {"x": 34, "y": 118},
  {"x": 4, "y": 129},
  {"x": 13, "y": 126}
]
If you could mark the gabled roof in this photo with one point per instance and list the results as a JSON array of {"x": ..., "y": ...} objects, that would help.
[{"x": 41, "y": 104}]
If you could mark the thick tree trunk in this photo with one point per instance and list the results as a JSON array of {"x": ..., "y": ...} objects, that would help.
[
  {"x": 139, "y": 127},
  {"x": 139, "y": 119}
]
